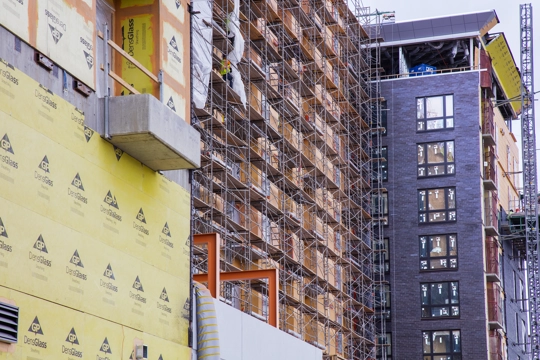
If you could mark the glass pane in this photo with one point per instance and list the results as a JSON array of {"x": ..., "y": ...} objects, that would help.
[
  {"x": 450, "y": 151},
  {"x": 439, "y": 263},
  {"x": 426, "y": 313},
  {"x": 434, "y": 107},
  {"x": 453, "y": 263},
  {"x": 449, "y": 105},
  {"x": 424, "y": 294},
  {"x": 436, "y": 199},
  {"x": 441, "y": 342},
  {"x": 451, "y": 169},
  {"x": 421, "y": 154},
  {"x": 437, "y": 216},
  {"x": 419, "y": 108},
  {"x": 426, "y": 343},
  {"x": 435, "y": 170},
  {"x": 423, "y": 265},
  {"x": 423, "y": 246},
  {"x": 435, "y": 153},
  {"x": 452, "y": 244},
  {"x": 455, "y": 310},
  {"x": 454, "y": 293},
  {"x": 438, "y": 246},
  {"x": 456, "y": 341},
  {"x": 451, "y": 216},
  {"x": 421, "y": 171},
  {"x": 449, "y": 123},
  {"x": 422, "y": 200},
  {"x": 439, "y": 293},
  {"x": 451, "y": 199},
  {"x": 422, "y": 218},
  {"x": 419, "y": 125},
  {"x": 435, "y": 124},
  {"x": 440, "y": 311}
]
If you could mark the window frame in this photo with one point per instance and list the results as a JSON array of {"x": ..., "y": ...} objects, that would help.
[
  {"x": 446, "y": 210},
  {"x": 382, "y": 249},
  {"x": 429, "y": 258},
  {"x": 383, "y": 202},
  {"x": 448, "y": 301},
  {"x": 384, "y": 350},
  {"x": 431, "y": 355},
  {"x": 445, "y": 164},
  {"x": 380, "y": 166},
  {"x": 445, "y": 114}
]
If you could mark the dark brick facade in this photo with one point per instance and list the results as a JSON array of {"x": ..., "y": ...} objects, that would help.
[{"x": 403, "y": 229}]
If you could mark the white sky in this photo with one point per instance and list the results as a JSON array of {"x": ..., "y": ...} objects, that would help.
[{"x": 509, "y": 22}]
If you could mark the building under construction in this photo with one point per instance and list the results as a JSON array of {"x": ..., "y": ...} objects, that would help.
[{"x": 290, "y": 171}]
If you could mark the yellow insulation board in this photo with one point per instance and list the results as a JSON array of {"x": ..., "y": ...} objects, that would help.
[
  {"x": 48, "y": 331},
  {"x": 73, "y": 210},
  {"x": 63, "y": 30}
]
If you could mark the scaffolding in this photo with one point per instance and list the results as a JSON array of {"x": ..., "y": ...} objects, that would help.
[{"x": 290, "y": 145}]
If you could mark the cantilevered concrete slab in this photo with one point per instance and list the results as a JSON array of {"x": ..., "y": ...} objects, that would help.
[{"x": 152, "y": 133}]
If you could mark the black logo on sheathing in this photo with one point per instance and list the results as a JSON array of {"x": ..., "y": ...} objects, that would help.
[
  {"x": 76, "y": 259},
  {"x": 160, "y": 357},
  {"x": 72, "y": 337},
  {"x": 137, "y": 285},
  {"x": 108, "y": 273},
  {"x": 170, "y": 104},
  {"x": 141, "y": 217},
  {"x": 111, "y": 200},
  {"x": 88, "y": 133},
  {"x": 35, "y": 327},
  {"x": 166, "y": 230},
  {"x": 89, "y": 59},
  {"x": 187, "y": 242},
  {"x": 56, "y": 34},
  {"x": 118, "y": 152},
  {"x": 77, "y": 182},
  {"x": 105, "y": 347},
  {"x": 5, "y": 144},
  {"x": 164, "y": 295},
  {"x": 185, "y": 310},
  {"x": 3, "y": 231},
  {"x": 44, "y": 164},
  {"x": 177, "y": 2},
  {"x": 40, "y": 245},
  {"x": 173, "y": 43}
]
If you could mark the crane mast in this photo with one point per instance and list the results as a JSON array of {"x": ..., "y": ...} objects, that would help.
[{"x": 530, "y": 198}]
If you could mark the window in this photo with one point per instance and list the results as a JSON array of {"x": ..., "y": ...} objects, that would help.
[
  {"x": 382, "y": 299},
  {"x": 384, "y": 347},
  {"x": 435, "y": 113},
  {"x": 379, "y": 207},
  {"x": 523, "y": 338},
  {"x": 440, "y": 299},
  {"x": 380, "y": 164},
  {"x": 442, "y": 345},
  {"x": 435, "y": 159},
  {"x": 521, "y": 295},
  {"x": 381, "y": 259},
  {"x": 437, "y": 205},
  {"x": 438, "y": 252},
  {"x": 381, "y": 112}
]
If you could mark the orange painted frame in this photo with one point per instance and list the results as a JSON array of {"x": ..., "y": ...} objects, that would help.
[{"x": 214, "y": 276}]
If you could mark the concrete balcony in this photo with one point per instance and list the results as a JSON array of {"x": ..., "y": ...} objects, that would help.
[{"x": 152, "y": 133}]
